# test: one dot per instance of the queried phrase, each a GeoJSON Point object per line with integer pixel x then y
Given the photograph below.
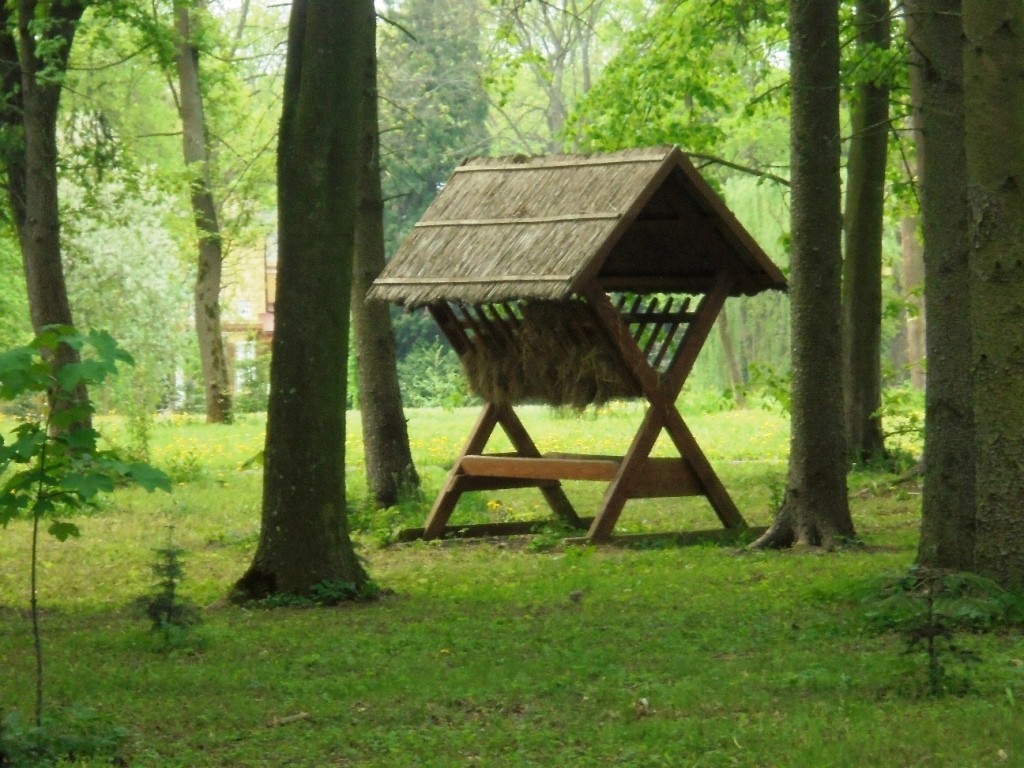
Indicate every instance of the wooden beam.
{"type": "Point", "coordinates": [523, 443]}
{"type": "Point", "coordinates": [449, 496]}
{"type": "Point", "coordinates": [480, 530]}
{"type": "Point", "coordinates": [569, 218]}
{"type": "Point", "coordinates": [665, 478]}
{"type": "Point", "coordinates": [540, 468]}
{"type": "Point", "coordinates": [465, 483]}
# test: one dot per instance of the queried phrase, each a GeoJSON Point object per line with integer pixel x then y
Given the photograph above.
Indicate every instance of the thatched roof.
{"type": "Point", "coordinates": [543, 227]}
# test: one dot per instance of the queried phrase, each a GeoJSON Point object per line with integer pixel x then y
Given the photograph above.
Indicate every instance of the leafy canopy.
{"type": "Point", "coordinates": [51, 465]}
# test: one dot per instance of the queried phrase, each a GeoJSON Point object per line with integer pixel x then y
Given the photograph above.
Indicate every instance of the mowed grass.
{"type": "Point", "coordinates": [497, 653]}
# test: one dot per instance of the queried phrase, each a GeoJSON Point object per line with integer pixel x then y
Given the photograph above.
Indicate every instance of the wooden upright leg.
{"type": "Point", "coordinates": [661, 393]}
{"type": "Point", "coordinates": [524, 445]}
{"type": "Point", "coordinates": [449, 496]}
{"type": "Point", "coordinates": [715, 492]}
{"type": "Point", "coordinates": [494, 415]}
{"type": "Point", "coordinates": [619, 490]}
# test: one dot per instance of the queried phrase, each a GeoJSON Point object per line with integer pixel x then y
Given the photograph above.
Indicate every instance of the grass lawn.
{"type": "Point", "coordinates": [503, 653]}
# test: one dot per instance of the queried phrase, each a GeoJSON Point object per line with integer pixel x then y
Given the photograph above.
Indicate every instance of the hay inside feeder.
{"type": "Point", "coordinates": [549, 352]}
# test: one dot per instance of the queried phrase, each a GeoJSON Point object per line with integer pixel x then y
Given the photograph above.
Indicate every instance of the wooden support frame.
{"type": "Point", "coordinates": [634, 475]}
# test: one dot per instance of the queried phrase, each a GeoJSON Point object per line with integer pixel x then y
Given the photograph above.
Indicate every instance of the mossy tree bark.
{"type": "Point", "coordinates": [35, 44]}
{"type": "Point", "coordinates": [862, 263]}
{"type": "Point", "coordinates": [304, 536]}
{"type": "Point", "coordinates": [204, 212]}
{"type": "Point", "coordinates": [815, 511]}
{"type": "Point", "coordinates": [947, 527]}
{"type": "Point", "coordinates": [994, 124]}
{"type": "Point", "coordinates": [390, 471]}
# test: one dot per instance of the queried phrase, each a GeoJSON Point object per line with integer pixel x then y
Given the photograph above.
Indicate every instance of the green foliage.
{"type": "Point", "coordinates": [433, 107]}
{"type": "Point", "coordinates": [382, 525]}
{"type": "Point", "coordinates": [549, 535]}
{"type": "Point", "coordinates": [769, 386]}
{"type": "Point", "coordinates": [687, 76]}
{"type": "Point", "coordinates": [125, 273]}
{"type": "Point", "coordinates": [903, 416]}
{"type": "Point", "coordinates": [253, 378]}
{"type": "Point", "coordinates": [431, 375]}
{"type": "Point", "coordinates": [53, 465]}
{"type": "Point", "coordinates": [77, 735]}
{"type": "Point", "coordinates": [933, 610]}
{"type": "Point", "coordinates": [14, 317]}
{"type": "Point", "coordinates": [171, 614]}
{"type": "Point", "coordinates": [327, 594]}
{"type": "Point", "coordinates": [488, 652]}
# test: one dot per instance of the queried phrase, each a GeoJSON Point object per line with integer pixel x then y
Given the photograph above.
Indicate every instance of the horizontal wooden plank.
{"type": "Point", "coordinates": [477, 530]}
{"type": "Point", "coordinates": [656, 478]}
{"type": "Point", "coordinates": [465, 483]}
{"type": "Point", "coordinates": [544, 468]}
{"type": "Point", "coordinates": [665, 477]}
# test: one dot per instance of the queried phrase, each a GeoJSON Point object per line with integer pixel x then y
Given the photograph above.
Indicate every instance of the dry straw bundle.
{"type": "Point", "coordinates": [546, 351]}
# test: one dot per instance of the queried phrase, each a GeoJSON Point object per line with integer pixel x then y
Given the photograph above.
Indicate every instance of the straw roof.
{"type": "Point", "coordinates": [509, 228]}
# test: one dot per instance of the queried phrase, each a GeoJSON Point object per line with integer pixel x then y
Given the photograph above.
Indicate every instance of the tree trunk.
{"type": "Point", "coordinates": [304, 537]}
{"type": "Point", "coordinates": [732, 367]}
{"type": "Point", "coordinates": [389, 465]}
{"type": "Point", "coordinates": [994, 109]}
{"type": "Point", "coordinates": [947, 504]}
{"type": "Point", "coordinates": [912, 263]}
{"type": "Point", "coordinates": [29, 114]}
{"type": "Point", "coordinates": [862, 266]}
{"type": "Point", "coordinates": [204, 212]}
{"type": "Point", "coordinates": [815, 511]}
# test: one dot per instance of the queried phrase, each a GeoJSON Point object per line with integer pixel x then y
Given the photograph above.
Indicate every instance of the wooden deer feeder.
{"type": "Point", "coordinates": [575, 280]}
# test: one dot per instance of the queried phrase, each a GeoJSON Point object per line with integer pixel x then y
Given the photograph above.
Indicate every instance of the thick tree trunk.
{"type": "Point", "coordinates": [304, 536]}
{"type": "Point", "coordinates": [912, 268]}
{"type": "Point", "coordinates": [815, 511]}
{"type": "Point", "coordinates": [947, 525]}
{"type": "Point", "coordinates": [389, 465]}
{"type": "Point", "coordinates": [994, 109]}
{"type": "Point", "coordinates": [204, 212]}
{"type": "Point", "coordinates": [862, 265]}
{"type": "Point", "coordinates": [29, 112]}
{"type": "Point", "coordinates": [732, 366]}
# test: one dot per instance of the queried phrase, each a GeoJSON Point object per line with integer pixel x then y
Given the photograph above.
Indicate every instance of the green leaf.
{"type": "Point", "coordinates": [87, 485]}
{"type": "Point", "coordinates": [81, 439]}
{"type": "Point", "coordinates": [63, 531]}
{"type": "Point", "coordinates": [93, 371]}
{"type": "Point", "coordinates": [52, 336]}
{"type": "Point", "coordinates": [21, 371]}
{"type": "Point", "coordinates": [107, 349]}
{"type": "Point", "coordinates": [148, 477]}
{"type": "Point", "coordinates": [29, 441]}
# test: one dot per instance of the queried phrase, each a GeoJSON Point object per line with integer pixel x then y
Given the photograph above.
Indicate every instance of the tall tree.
{"type": "Point", "coordinates": [389, 466]}
{"type": "Point", "coordinates": [35, 43]}
{"type": "Point", "coordinates": [304, 537]}
{"type": "Point", "coordinates": [994, 130]}
{"type": "Point", "coordinates": [433, 110]}
{"type": "Point", "coordinates": [864, 219]}
{"type": "Point", "coordinates": [815, 510]}
{"type": "Point", "coordinates": [553, 42]}
{"type": "Point", "coordinates": [204, 212]}
{"type": "Point", "coordinates": [935, 33]}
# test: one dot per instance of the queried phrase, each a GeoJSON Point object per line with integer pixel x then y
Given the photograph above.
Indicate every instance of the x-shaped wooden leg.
{"type": "Point", "coordinates": [661, 393]}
